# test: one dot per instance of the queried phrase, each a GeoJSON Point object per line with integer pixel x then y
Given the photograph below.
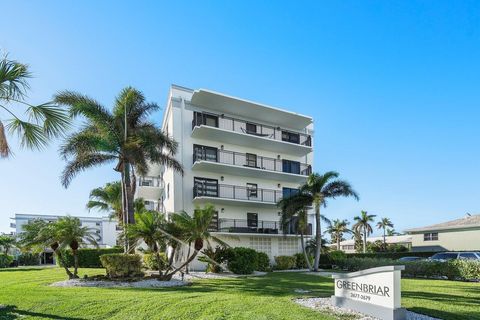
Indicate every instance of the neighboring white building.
{"type": "Point", "coordinates": [239, 155]}
{"type": "Point", "coordinates": [104, 227]}
{"type": "Point", "coordinates": [457, 235]}
{"type": "Point", "coordinates": [348, 246]}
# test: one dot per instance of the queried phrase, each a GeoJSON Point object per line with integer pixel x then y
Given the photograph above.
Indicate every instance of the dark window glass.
{"type": "Point", "coordinates": [204, 187]}
{"type": "Point", "coordinates": [444, 256]}
{"type": "Point", "coordinates": [288, 192]}
{"type": "Point", "coordinates": [291, 166]}
{"type": "Point", "coordinates": [210, 120]}
{"type": "Point", "coordinates": [468, 256]}
{"type": "Point", "coordinates": [252, 190]}
{"type": "Point", "coordinates": [290, 137]}
{"type": "Point", "coordinates": [251, 128]}
{"type": "Point", "coordinates": [252, 219]}
{"type": "Point", "coordinates": [214, 223]}
{"type": "Point", "coordinates": [205, 153]}
{"type": "Point", "coordinates": [251, 160]}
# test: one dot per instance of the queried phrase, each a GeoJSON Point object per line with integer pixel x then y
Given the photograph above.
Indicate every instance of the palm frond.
{"type": "Point", "coordinates": [81, 163]}
{"type": "Point", "coordinates": [5, 151]}
{"type": "Point", "coordinates": [55, 120]}
{"type": "Point", "coordinates": [13, 79]}
{"type": "Point", "coordinates": [31, 135]}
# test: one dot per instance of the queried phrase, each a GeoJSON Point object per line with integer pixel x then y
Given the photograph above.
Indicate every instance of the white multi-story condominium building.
{"type": "Point", "coordinates": [104, 227]}
{"type": "Point", "coordinates": [242, 157]}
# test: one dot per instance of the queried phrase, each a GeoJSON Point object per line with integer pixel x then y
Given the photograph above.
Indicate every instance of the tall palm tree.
{"type": "Point", "coordinates": [337, 229]}
{"type": "Point", "coordinates": [363, 225]}
{"type": "Point", "coordinates": [384, 223]}
{"type": "Point", "coordinates": [123, 135]}
{"type": "Point", "coordinates": [316, 191]}
{"type": "Point", "coordinates": [147, 228]}
{"type": "Point", "coordinates": [70, 233]}
{"type": "Point", "coordinates": [195, 230]}
{"type": "Point", "coordinates": [357, 236]}
{"type": "Point", "coordinates": [44, 121]}
{"type": "Point", "coordinates": [392, 232]}
{"type": "Point", "coordinates": [109, 199]}
{"type": "Point", "coordinates": [7, 242]}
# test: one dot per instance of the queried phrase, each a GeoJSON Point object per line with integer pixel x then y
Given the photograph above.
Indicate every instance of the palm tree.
{"type": "Point", "coordinates": [311, 246]}
{"type": "Point", "coordinates": [109, 199]}
{"type": "Point", "coordinates": [358, 244]}
{"type": "Point", "coordinates": [7, 242]}
{"type": "Point", "coordinates": [147, 227]}
{"type": "Point", "coordinates": [363, 226]}
{"type": "Point", "coordinates": [299, 219]}
{"type": "Point", "coordinates": [123, 135]}
{"type": "Point", "coordinates": [68, 231]}
{"type": "Point", "coordinates": [337, 229]}
{"type": "Point", "coordinates": [195, 230]}
{"type": "Point", "coordinates": [392, 232]}
{"type": "Point", "coordinates": [384, 223]}
{"type": "Point", "coordinates": [316, 191]}
{"type": "Point", "coordinates": [45, 121]}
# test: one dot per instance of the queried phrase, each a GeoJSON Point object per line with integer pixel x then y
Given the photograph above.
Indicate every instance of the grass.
{"type": "Point", "coordinates": [25, 294]}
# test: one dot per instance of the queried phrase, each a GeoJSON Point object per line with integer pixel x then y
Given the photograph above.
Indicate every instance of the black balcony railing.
{"type": "Point", "coordinates": [225, 191]}
{"type": "Point", "coordinates": [242, 126]}
{"type": "Point", "coordinates": [252, 226]}
{"type": "Point", "coordinates": [252, 161]}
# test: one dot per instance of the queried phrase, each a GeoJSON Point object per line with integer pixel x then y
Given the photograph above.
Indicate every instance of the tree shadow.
{"type": "Point", "coordinates": [12, 312]}
{"type": "Point", "coordinates": [21, 269]}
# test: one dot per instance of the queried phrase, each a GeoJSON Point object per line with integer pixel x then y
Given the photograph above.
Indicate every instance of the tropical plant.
{"type": "Point", "coordinates": [194, 230]}
{"type": "Point", "coordinates": [7, 243]}
{"type": "Point", "coordinates": [363, 225]}
{"type": "Point", "coordinates": [392, 232]}
{"type": "Point", "coordinates": [214, 258]}
{"type": "Point", "coordinates": [315, 192]}
{"type": "Point", "coordinates": [123, 135]}
{"type": "Point", "coordinates": [109, 199]}
{"type": "Point", "coordinates": [384, 223]}
{"type": "Point", "coordinates": [148, 228]}
{"type": "Point", "coordinates": [358, 245]}
{"type": "Point", "coordinates": [337, 229]}
{"type": "Point", "coordinates": [296, 218]}
{"type": "Point", "coordinates": [44, 121]}
{"type": "Point", "coordinates": [311, 246]}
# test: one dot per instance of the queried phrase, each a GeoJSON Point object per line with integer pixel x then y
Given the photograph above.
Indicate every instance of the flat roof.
{"type": "Point", "coordinates": [389, 239]}
{"type": "Point", "coordinates": [249, 109]}
{"type": "Point", "coordinates": [469, 221]}
{"type": "Point", "coordinates": [51, 216]}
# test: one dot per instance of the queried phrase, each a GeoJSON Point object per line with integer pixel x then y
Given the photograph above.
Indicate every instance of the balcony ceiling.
{"type": "Point", "coordinates": [250, 110]}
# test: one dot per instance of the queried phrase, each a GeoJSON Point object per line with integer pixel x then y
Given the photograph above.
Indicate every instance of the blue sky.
{"type": "Point", "coordinates": [392, 86]}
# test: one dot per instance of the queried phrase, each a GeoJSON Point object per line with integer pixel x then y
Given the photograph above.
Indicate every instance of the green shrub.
{"type": "Point", "coordinates": [150, 261]}
{"type": "Point", "coordinates": [301, 262]}
{"type": "Point", "coordinates": [87, 258]}
{"type": "Point", "coordinates": [285, 262]}
{"type": "Point", "coordinates": [5, 260]}
{"type": "Point", "coordinates": [241, 260]}
{"type": "Point", "coordinates": [219, 255]}
{"type": "Point", "coordinates": [392, 255]}
{"type": "Point", "coordinates": [263, 262]}
{"type": "Point", "coordinates": [28, 259]}
{"type": "Point", "coordinates": [119, 265]}
{"type": "Point", "coordinates": [467, 269]}
{"type": "Point", "coordinates": [336, 255]}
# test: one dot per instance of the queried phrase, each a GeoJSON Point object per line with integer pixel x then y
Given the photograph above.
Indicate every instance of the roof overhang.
{"type": "Point", "coordinates": [249, 109]}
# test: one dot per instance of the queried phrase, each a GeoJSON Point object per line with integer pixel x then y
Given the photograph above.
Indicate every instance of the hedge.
{"type": "Point", "coordinates": [88, 258]}
{"type": "Point", "coordinates": [150, 261]}
{"type": "Point", "coordinates": [263, 262]}
{"type": "Point", "coordinates": [119, 265]}
{"type": "Point", "coordinates": [28, 259]}
{"type": "Point", "coordinates": [5, 260]}
{"type": "Point", "coordinates": [242, 260]}
{"type": "Point", "coordinates": [392, 255]}
{"type": "Point", "coordinates": [285, 262]}
{"type": "Point", "coordinates": [452, 269]}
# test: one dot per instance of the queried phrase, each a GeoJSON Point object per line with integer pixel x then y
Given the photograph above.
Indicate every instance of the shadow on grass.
{"type": "Point", "coordinates": [11, 312]}
{"type": "Point", "coordinates": [21, 269]}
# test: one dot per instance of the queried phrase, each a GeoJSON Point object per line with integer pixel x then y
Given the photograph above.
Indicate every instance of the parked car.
{"type": "Point", "coordinates": [410, 258]}
{"type": "Point", "coordinates": [445, 256]}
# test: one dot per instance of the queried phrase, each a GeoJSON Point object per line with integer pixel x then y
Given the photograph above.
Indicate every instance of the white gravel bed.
{"type": "Point", "coordinates": [209, 275]}
{"type": "Point", "coordinates": [148, 283]}
{"type": "Point", "coordinates": [324, 304]}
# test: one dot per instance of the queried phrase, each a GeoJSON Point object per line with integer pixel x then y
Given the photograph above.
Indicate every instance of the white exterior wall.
{"type": "Point", "coordinates": [448, 240]}
{"type": "Point", "coordinates": [178, 189]}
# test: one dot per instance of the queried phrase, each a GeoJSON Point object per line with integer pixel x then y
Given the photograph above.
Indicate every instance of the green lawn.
{"type": "Point", "coordinates": [26, 295]}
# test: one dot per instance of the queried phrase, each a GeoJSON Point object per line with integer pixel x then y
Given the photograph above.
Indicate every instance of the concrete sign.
{"type": "Point", "coordinates": [375, 292]}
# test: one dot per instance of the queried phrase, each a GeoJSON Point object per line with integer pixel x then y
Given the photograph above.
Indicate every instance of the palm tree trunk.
{"type": "Point", "coordinates": [338, 242]}
{"type": "Point", "coordinates": [129, 194]}
{"type": "Point", "coordinates": [364, 240]}
{"type": "Point", "coordinates": [159, 262]}
{"type": "Point", "coordinates": [309, 265]}
{"type": "Point", "coordinates": [188, 254]}
{"type": "Point", "coordinates": [172, 256]}
{"type": "Point", "coordinates": [318, 235]}
{"type": "Point", "coordinates": [169, 276]}
{"type": "Point", "coordinates": [384, 240]}
{"type": "Point", "coordinates": [63, 263]}
{"type": "Point", "coordinates": [75, 263]}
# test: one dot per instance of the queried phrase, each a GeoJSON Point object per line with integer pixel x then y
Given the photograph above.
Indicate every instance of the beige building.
{"type": "Point", "coordinates": [348, 246]}
{"type": "Point", "coordinates": [456, 235]}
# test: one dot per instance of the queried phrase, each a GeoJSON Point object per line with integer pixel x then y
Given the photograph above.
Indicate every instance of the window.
{"type": "Point", "coordinates": [252, 190]}
{"type": "Point", "coordinates": [252, 219]}
{"type": "Point", "coordinates": [204, 187]}
{"type": "Point", "coordinates": [432, 236]}
{"type": "Point", "coordinates": [251, 128]}
{"type": "Point", "coordinates": [469, 256]}
{"type": "Point", "coordinates": [251, 160]}
{"type": "Point", "coordinates": [288, 192]}
{"type": "Point", "coordinates": [97, 223]}
{"type": "Point", "coordinates": [149, 205]}
{"type": "Point", "coordinates": [291, 137]}
{"type": "Point", "coordinates": [205, 119]}
{"type": "Point", "coordinates": [205, 153]}
{"type": "Point", "coordinates": [291, 166]}
{"type": "Point", "coordinates": [214, 225]}
{"type": "Point", "coordinates": [146, 182]}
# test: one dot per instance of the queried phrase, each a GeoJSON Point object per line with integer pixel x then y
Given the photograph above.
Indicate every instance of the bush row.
{"type": "Point", "coordinates": [453, 269]}
{"type": "Point", "coordinates": [5, 260]}
{"type": "Point", "coordinates": [28, 259]}
{"type": "Point", "coordinates": [88, 258]}
{"type": "Point", "coordinates": [119, 265]}
{"type": "Point", "coordinates": [392, 255]}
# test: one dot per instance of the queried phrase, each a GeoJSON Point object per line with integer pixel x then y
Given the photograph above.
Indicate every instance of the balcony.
{"type": "Point", "coordinates": [149, 188]}
{"type": "Point", "coordinates": [223, 193]}
{"type": "Point", "coordinates": [249, 165]}
{"type": "Point", "coordinates": [252, 226]}
{"type": "Point", "coordinates": [231, 130]}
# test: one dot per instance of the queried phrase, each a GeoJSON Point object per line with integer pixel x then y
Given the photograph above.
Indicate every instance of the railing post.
{"type": "Point", "coordinates": [234, 192]}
